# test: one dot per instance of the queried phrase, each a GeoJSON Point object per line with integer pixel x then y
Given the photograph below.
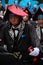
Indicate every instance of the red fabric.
{"type": "Point", "coordinates": [17, 10]}
{"type": "Point", "coordinates": [34, 59]}
{"type": "Point", "coordinates": [24, 9]}
{"type": "Point", "coordinates": [31, 47]}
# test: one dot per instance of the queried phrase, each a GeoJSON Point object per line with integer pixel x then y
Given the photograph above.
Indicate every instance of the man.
{"type": "Point", "coordinates": [17, 38]}
{"type": "Point", "coordinates": [39, 28]}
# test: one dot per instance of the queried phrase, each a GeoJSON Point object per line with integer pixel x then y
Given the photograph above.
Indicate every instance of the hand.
{"type": "Point", "coordinates": [35, 52]}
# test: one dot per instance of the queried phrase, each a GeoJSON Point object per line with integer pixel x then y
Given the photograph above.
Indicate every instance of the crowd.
{"type": "Point", "coordinates": [21, 36]}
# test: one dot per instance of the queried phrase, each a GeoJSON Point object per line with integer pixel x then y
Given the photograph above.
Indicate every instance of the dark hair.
{"type": "Point", "coordinates": [8, 13]}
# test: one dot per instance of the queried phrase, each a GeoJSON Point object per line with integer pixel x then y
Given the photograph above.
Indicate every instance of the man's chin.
{"type": "Point", "coordinates": [15, 25]}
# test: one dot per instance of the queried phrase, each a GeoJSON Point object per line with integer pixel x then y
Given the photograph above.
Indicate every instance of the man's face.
{"type": "Point", "coordinates": [40, 21]}
{"type": "Point", "coordinates": [14, 20]}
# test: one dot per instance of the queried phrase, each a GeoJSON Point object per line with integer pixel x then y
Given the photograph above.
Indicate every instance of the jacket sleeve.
{"type": "Point", "coordinates": [34, 37]}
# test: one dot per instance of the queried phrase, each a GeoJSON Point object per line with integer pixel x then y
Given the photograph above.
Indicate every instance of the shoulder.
{"type": "Point", "coordinates": [30, 26]}
{"type": "Point", "coordinates": [4, 25]}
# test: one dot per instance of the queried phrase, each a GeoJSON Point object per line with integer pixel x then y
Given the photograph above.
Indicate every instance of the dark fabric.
{"type": "Point", "coordinates": [41, 42]}
{"type": "Point", "coordinates": [41, 34]}
{"type": "Point", "coordinates": [15, 40]}
{"type": "Point", "coordinates": [2, 9]}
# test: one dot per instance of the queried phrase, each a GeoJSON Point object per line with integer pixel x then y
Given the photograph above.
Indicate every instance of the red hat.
{"type": "Point", "coordinates": [17, 10]}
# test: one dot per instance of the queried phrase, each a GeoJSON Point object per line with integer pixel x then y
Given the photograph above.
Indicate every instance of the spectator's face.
{"type": "Point", "coordinates": [40, 21]}
{"type": "Point", "coordinates": [26, 18]}
{"type": "Point", "coordinates": [14, 20]}
{"type": "Point", "coordinates": [6, 6]}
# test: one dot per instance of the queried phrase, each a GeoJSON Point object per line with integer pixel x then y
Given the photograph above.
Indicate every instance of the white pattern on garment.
{"type": "Point", "coordinates": [11, 33]}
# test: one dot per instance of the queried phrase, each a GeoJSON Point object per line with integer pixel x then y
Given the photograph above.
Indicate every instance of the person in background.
{"type": "Point", "coordinates": [39, 28]}
{"type": "Point", "coordinates": [5, 8]}
{"type": "Point", "coordinates": [27, 18]}
{"type": "Point", "coordinates": [2, 9]}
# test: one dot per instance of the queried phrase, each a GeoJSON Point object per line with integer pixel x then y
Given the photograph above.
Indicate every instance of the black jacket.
{"type": "Point", "coordinates": [27, 38]}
